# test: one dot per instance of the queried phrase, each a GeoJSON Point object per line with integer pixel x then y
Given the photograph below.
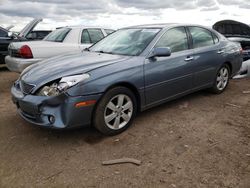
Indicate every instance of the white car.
{"type": "Point", "coordinates": [59, 42]}
{"type": "Point", "coordinates": [244, 71]}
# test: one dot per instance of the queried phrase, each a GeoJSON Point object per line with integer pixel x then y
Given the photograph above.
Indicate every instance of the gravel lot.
{"type": "Point", "coordinates": [201, 140]}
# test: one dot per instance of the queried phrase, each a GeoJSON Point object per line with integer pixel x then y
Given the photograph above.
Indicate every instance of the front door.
{"type": "Point", "coordinates": [168, 77]}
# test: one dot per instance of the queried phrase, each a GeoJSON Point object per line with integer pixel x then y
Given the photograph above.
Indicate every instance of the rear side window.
{"type": "Point", "coordinates": [175, 39]}
{"type": "Point", "coordinates": [57, 35]}
{"type": "Point", "coordinates": [3, 33]}
{"type": "Point", "coordinates": [85, 37]}
{"type": "Point", "coordinates": [95, 35]}
{"type": "Point", "coordinates": [201, 37]}
{"type": "Point", "coordinates": [216, 39]}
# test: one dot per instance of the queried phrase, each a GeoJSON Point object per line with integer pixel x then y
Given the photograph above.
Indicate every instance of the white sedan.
{"type": "Point", "coordinates": [59, 42]}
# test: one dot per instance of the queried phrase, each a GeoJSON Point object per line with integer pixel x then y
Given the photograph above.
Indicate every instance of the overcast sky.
{"type": "Point", "coordinates": [120, 13]}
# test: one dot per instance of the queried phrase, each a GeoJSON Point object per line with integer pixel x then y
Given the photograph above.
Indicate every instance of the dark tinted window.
{"type": "Point", "coordinates": [95, 35]}
{"type": "Point", "coordinates": [85, 37]}
{"type": "Point", "coordinates": [3, 33]}
{"type": "Point", "coordinates": [109, 31]}
{"type": "Point", "coordinates": [201, 37]}
{"type": "Point", "coordinates": [175, 39]}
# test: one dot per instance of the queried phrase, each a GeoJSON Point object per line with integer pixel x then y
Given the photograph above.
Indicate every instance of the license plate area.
{"type": "Point", "coordinates": [28, 108]}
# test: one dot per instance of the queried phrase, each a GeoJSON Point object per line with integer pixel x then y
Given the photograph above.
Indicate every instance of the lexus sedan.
{"type": "Point", "coordinates": [131, 70]}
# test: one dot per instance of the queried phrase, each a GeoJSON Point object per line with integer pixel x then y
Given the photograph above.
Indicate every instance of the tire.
{"type": "Point", "coordinates": [115, 111]}
{"type": "Point", "coordinates": [221, 80]}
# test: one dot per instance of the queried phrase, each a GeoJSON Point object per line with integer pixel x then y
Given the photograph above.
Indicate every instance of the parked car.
{"type": "Point", "coordinates": [27, 33]}
{"type": "Point", "coordinates": [131, 70]}
{"type": "Point", "coordinates": [244, 70]}
{"type": "Point", "coordinates": [59, 42]}
{"type": "Point", "coordinates": [237, 32]}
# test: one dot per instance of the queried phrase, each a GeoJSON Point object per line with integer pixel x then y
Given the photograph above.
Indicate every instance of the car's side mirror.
{"type": "Point", "coordinates": [160, 52]}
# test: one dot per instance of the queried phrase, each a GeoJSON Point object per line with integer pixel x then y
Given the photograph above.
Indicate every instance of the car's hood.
{"type": "Point", "coordinates": [54, 68]}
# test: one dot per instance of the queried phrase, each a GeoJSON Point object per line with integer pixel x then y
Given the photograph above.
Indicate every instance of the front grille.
{"type": "Point", "coordinates": [26, 88]}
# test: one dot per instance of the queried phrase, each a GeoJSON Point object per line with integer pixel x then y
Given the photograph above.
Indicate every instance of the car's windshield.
{"type": "Point", "coordinates": [57, 35]}
{"type": "Point", "coordinates": [126, 41]}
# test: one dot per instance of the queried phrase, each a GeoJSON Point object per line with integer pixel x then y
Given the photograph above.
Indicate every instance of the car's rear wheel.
{"type": "Point", "coordinates": [222, 79]}
{"type": "Point", "coordinates": [116, 111]}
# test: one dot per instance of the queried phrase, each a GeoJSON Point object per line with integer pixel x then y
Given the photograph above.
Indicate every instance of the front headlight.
{"type": "Point", "coordinates": [64, 83]}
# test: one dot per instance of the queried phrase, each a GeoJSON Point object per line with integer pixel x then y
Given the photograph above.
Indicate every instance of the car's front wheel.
{"type": "Point", "coordinates": [222, 79]}
{"type": "Point", "coordinates": [115, 112]}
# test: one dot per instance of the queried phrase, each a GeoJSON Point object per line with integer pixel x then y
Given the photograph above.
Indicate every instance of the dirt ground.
{"type": "Point", "coordinates": [201, 140]}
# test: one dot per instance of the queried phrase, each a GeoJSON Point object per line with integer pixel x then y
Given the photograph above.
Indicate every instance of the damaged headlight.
{"type": "Point", "coordinates": [64, 83]}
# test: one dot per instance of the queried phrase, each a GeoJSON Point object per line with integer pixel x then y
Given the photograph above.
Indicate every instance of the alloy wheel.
{"type": "Point", "coordinates": [118, 111]}
{"type": "Point", "coordinates": [222, 78]}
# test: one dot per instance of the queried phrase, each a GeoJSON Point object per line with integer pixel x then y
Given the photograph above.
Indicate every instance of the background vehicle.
{"type": "Point", "coordinates": [27, 33]}
{"type": "Point", "coordinates": [131, 70]}
{"type": "Point", "coordinates": [244, 70]}
{"type": "Point", "coordinates": [59, 42]}
{"type": "Point", "coordinates": [237, 32]}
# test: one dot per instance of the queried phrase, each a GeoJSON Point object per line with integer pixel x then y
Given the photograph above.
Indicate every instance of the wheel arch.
{"type": "Point", "coordinates": [132, 88]}
{"type": "Point", "coordinates": [229, 64]}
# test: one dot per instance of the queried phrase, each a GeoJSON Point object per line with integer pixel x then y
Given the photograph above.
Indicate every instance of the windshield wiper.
{"type": "Point", "coordinates": [101, 51]}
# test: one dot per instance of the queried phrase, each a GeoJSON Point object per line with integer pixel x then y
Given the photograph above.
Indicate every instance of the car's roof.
{"type": "Point", "coordinates": [163, 25]}
{"type": "Point", "coordinates": [85, 27]}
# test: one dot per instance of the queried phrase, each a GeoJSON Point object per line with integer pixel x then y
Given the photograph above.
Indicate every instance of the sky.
{"type": "Point", "coordinates": [120, 13]}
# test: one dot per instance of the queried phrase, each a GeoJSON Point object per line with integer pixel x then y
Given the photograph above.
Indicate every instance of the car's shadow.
{"type": "Point", "coordinates": [92, 136]}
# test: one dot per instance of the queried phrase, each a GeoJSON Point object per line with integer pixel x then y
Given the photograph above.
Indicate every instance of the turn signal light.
{"type": "Point", "coordinates": [85, 103]}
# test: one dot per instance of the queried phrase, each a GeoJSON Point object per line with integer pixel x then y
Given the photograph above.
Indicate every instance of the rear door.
{"type": "Point", "coordinates": [167, 77]}
{"type": "Point", "coordinates": [208, 55]}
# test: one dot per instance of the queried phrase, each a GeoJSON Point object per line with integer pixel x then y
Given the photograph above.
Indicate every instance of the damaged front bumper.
{"type": "Point", "coordinates": [54, 112]}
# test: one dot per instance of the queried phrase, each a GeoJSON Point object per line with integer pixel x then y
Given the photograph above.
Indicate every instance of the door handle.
{"type": "Point", "coordinates": [189, 58]}
{"type": "Point", "coordinates": [220, 52]}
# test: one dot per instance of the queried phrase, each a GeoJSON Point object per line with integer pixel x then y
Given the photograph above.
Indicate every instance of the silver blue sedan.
{"type": "Point", "coordinates": [131, 70]}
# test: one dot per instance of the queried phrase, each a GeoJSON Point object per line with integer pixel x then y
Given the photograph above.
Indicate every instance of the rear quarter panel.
{"type": "Point", "coordinates": [233, 56]}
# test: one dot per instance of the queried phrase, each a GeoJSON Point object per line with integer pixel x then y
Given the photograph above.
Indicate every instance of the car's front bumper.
{"type": "Point", "coordinates": [19, 64]}
{"type": "Point", "coordinates": [54, 112]}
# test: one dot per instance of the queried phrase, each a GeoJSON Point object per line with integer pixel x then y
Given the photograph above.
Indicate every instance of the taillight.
{"type": "Point", "coordinates": [25, 52]}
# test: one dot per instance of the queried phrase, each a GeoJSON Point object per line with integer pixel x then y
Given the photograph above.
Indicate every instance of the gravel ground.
{"type": "Point", "coordinates": [201, 140]}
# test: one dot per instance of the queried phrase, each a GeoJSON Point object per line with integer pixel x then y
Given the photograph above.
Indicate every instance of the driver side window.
{"type": "Point", "coordinates": [176, 39]}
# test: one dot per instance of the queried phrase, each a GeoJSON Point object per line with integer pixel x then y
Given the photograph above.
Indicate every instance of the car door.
{"type": "Point", "coordinates": [168, 77]}
{"type": "Point", "coordinates": [208, 55]}
{"type": "Point", "coordinates": [90, 36]}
